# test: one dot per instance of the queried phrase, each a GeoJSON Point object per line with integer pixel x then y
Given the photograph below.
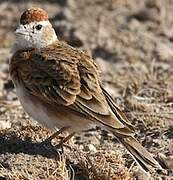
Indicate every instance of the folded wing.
{"type": "Point", "coordinates": [63, 75]}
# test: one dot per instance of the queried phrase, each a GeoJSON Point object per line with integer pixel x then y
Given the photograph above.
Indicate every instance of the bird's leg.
{"type": "Point", "coordinates": [61, 144]}
{"type": "Point", "coordinates": [49, 139]}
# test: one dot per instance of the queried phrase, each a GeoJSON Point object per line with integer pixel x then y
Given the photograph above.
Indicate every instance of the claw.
{"type": "Point", "coordinates": [63, 141]}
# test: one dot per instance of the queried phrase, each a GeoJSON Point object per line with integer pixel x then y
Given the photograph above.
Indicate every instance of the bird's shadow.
{"type": "Point", "coordinates": [13, 144]}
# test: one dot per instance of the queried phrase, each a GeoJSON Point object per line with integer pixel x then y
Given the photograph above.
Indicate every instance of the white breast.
{"type": "Point", "coordinates": [34, 109]}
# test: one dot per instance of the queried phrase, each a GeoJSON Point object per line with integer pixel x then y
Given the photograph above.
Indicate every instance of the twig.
{"type": "Point", "coordinates": [92, 167]}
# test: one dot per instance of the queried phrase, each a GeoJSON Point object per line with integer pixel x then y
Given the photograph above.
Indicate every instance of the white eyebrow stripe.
{"type": "Point", "coordinates": [44, 23]}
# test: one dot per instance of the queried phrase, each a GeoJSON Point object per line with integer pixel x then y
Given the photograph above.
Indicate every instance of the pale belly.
{"type": "Point", "coordinates": [50, 117]}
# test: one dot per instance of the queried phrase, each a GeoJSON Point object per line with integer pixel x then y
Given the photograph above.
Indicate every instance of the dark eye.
{"type": "Point", "coordinates": [38, 27]}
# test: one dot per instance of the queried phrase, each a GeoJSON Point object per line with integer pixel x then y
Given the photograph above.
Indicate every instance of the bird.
{"type": "Point", "coordinates": [60, 87]}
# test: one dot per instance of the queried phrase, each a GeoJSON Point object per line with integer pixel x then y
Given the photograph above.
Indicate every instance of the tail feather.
{"type": "Point", "coordinates": [142, 157]}
{"type": "Point", "coordinates": [138, 152]}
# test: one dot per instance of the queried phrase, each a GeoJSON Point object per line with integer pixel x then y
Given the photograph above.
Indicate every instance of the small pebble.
{"type": "Point", "coordinates": [91, 148]}
{"type": "Point", "coordinates": [5, 125]}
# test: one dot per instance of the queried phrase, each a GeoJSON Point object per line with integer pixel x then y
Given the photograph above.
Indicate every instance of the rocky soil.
{"type": "Point", "coordinates": [132, 42]}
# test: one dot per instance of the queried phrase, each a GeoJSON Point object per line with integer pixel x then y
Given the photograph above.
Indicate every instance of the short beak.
{"type": "Point", "coordinates": [21, 30]}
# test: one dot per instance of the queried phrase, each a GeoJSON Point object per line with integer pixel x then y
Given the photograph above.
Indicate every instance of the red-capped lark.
{"type": "Point", "coordinates": [59, 86]}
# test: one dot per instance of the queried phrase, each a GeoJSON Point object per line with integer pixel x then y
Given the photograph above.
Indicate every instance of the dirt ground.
{"type": "Point", "coordinates": [132, 42]}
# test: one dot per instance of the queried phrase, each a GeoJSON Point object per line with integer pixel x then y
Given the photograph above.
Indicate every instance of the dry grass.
{"type": "Point", "coordinates": [34, 167]}
{"type": "Point", "coordinates": [149, 96]}
{"type": "Point", "coordinates": [24, 158]}
{"type": "Point", "coordinates": [132, 43]}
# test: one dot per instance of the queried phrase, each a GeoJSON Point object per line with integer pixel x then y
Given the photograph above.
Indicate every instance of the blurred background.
{"type": "Point", "coordinates": [132, 42]}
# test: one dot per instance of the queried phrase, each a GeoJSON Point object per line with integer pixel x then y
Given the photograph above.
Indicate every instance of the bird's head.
{"type": "Point", "coordinates": [34, 30]}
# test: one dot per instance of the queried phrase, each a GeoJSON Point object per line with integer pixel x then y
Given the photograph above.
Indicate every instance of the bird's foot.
{"type": "Point", "coordinates": [48, 144]}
